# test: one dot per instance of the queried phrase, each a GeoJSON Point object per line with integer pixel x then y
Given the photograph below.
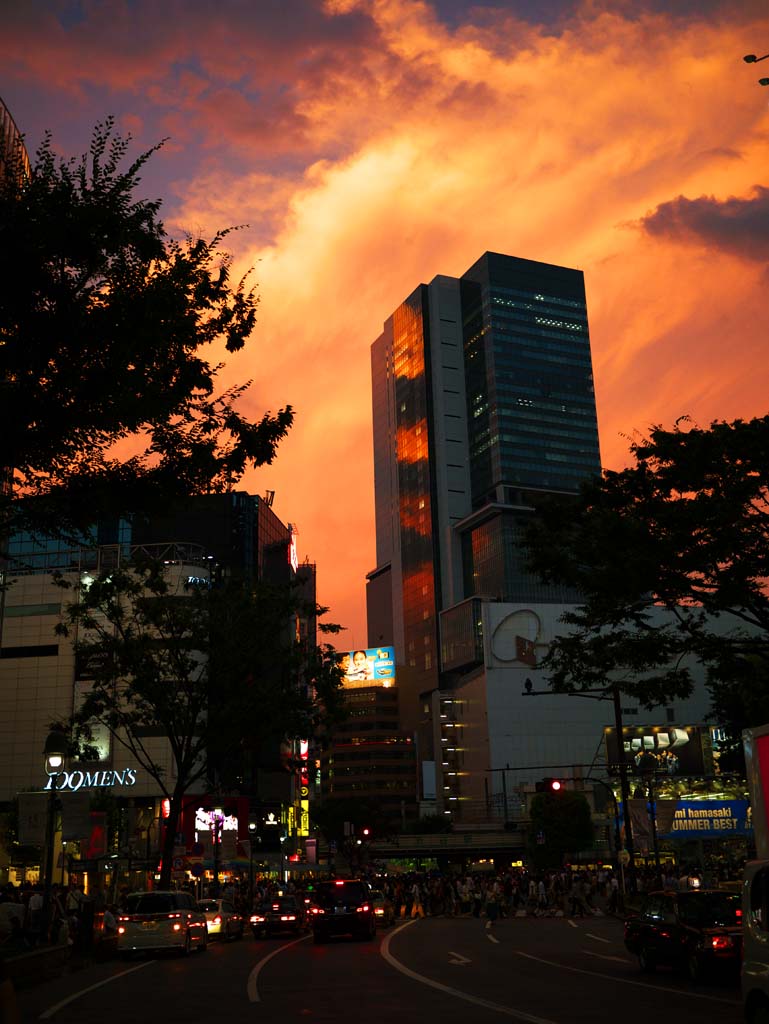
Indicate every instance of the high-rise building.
{"type": "Point", "coordinates": [482, 398]}
{"type": "Point", "coordinates": [482, 395]}
{"type": "Point", "coordinates": [14, 161]}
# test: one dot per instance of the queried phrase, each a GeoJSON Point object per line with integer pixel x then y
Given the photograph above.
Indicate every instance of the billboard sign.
{"type": "Point", "coordinates": [677, 750]}
{"type": "Point", "coordinates": [371, 667]}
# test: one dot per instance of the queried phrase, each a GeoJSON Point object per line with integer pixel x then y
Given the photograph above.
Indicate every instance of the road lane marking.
{"type": "Point", "coordinates": [47, 1014]}
{"type": "Point", "coordinates": [598, 938]}
{"type": "Point", "coordinates": [687, 994]}
{"type": "Point", "coordinates": [491, 938]}
{"type": "Point", "coordinates": [458, 958]}
{"type": "Point", "coordinates": [476, 1000]}
{"type": "Point", "coordinates": [572, 923]}
{"type": "Point", "coordinates": [253, 978]}
{"type": "Point", "coordinates": [602, 956]}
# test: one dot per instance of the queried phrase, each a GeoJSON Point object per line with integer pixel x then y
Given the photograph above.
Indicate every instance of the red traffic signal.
{"type": "Point", "coordinates": [365, 832]}
{"type": "Point", "coordinates": [549, 785]}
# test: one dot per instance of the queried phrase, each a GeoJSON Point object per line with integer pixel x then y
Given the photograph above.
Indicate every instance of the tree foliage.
{"type": "Point", "coordinates": [685, 529]}
{"type": "Point", "coordinates": [204, 676]}
{"type": "Point", "coordinates": [561, 824]}
{"type": "Point", "coordinates": [109, 400]}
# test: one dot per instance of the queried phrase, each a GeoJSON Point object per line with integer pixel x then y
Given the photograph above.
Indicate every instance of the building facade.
{"type": "Point", "coordinates": [482, 400]}
{"type": "Point", "coordinates": [42, 680]}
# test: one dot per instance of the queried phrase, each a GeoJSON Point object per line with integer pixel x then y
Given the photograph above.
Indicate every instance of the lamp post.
{"type": "Point", "coordinates": [54, 752]}
{"type": "Point", "coordinates": [217, 829]}
{"type": "Point", "coordinates": [252, 838]}
{"type": "Point", "coordinates": [647, 767]}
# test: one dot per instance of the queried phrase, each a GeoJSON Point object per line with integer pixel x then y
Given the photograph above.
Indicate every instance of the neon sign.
{"type": "Point", "coordinates": [75, 780]}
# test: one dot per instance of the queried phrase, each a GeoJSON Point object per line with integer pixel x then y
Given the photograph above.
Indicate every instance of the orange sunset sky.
{"type": "Point", "coordinates": [369, 145]}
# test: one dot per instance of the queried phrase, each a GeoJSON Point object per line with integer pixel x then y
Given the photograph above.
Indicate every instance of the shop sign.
{"type": "Point", "coordinates": [72, 781]}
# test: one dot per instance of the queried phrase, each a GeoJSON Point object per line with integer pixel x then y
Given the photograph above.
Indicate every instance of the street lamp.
{"type": "Point", "coordinates": [54, 752]}
{"type": "Point", "coordinates": [217, 823]}
{"type": "Point", "coordinates": [252, 838]}
{"type": "Point", "coordinates": [751, 58]}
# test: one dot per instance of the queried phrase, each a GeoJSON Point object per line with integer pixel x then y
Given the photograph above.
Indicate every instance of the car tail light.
{"type": "Point", "coordinates": [218, 919]}
{"type": "Point", "coordinates": [379, 912]}
{"type": "Point", "coordinates": [317, 910]}
{"type": "Point", "coordinates": [121, 929]}
{"type": "Point", "coordinates": [256, 919]}
{"type": "Point", "coordinates": [276, 906]}
{"type": "Point", "coordinates": [177, 927]}
{"type": "Point", "coordinates": [338, 883]}
{"type": "Point", "coordinates": [738, 913]}
{"type": "Point", "coordinates": [721, 942]}
{"type": "Point", "coordinates": [363, 909]}
{"type": "Point", "coordinates": [174, 915]}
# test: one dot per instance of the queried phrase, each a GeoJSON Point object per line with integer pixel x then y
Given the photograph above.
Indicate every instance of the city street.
{"type": "Point", "coordinates": [544, 971]}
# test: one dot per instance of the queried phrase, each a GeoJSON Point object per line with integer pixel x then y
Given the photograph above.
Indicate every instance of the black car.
{"type": "Point", "coordinates": [343, 907]}
{"type": "Point", "coordinates": [278, 914]}
{"type": "Point", "coordinates": [699, 931]}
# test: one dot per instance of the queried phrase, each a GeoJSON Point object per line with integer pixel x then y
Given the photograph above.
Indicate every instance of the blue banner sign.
{"type": "Point", "coordinates": [711, 819]}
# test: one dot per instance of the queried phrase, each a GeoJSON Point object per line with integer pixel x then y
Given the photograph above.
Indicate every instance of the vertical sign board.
{"type": "Point", "coordinates": [756, 744]}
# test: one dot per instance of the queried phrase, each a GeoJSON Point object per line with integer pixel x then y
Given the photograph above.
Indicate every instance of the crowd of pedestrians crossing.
{"type": "Point", "coordinates": [503, 893]}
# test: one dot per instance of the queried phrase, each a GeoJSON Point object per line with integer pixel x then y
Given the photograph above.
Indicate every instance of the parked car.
{"type": "Point", "coordinates": [280, 914]}
{"type": "Point", "coordinates": [699, 930]}
{"type": "Point", "coordinates": [384, 912]}
{"type": "Point", "coordinates": [343, 907]}
{"type": "Point", "coordinates": [222, 919]}
{"type": "Point", "coordinates": [161, 920]}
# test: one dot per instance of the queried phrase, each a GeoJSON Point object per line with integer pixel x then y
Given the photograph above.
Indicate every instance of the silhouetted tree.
{"type": "Point", "coordinates": [110, 339]}
{"type": "Point", "coordinates": [686, 528]}
{"type": "Point", "coordinates": [206, 671]}
{"type": "Point", "coordinates": [561, 824]}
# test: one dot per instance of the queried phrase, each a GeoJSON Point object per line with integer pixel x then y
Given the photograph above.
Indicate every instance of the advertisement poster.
{"type": "Point", "coordinates": [677, 750]}
{"type": "Point", "coordinates": [370, 667]}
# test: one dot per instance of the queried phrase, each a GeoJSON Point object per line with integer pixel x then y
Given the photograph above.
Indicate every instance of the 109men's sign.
{"type": "Point", "coordinates": [76, 779]}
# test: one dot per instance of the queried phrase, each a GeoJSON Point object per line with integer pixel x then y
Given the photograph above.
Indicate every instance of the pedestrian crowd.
{"type": "Point", "coordinates": [503, 893]}
{"type": "Point", "coordinates": [67, 916]}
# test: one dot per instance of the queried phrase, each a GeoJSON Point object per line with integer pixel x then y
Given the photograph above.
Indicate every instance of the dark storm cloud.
{"type": "Point", "coordinates": [555, 14]}
{"type": "Point", "coordinates": [738, 226]}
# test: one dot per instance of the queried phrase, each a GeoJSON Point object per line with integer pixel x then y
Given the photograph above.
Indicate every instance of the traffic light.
{"type": "Point", "coordinates": [549, 785]}
{"type": "Point", "coordinates": [365, 832]}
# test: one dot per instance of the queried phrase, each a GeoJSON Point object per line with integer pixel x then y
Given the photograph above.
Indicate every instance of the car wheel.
{"type": "Point", "coordinates": [187, 949]}
{"type": "Point", "coordinates": [694, 968]}
{"type": "Point", "coordinates": [646, 961]}
{"type": "Point", "coordinates": [757, 1011]}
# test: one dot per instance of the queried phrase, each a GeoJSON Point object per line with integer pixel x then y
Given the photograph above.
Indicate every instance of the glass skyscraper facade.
{"type": "Point", "coordinates": [483, 399]}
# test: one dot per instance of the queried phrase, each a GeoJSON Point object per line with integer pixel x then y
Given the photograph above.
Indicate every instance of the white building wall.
{"type": "Point", "coordinates": [559, 730]}
{"type": "Point", "coordinates": [35, 692]}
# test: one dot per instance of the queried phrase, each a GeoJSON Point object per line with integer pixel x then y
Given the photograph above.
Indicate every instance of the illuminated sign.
{"type": "Point", "coordinates": [371, 667]}
{"type": "Point", "coordinates": [674, 749]}
{"type": "Point", "coordinates": [204, 821]}
{"type": "Point", "coordinates": [711, 818]}
{"type": "Point", "coordinates": [293, 555]}
{"type": "Point", "coordinates": [74, 780]}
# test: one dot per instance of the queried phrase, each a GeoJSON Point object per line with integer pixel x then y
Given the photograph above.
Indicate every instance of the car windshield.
{"type": "Point", "coordinates": [709, 909]}
{"type": "Point", "coordinates": [347, 892]}
{"type": "Point", "coordinates": [149, 903]}
{"type": "Point", "coordinates": [208, 905]}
